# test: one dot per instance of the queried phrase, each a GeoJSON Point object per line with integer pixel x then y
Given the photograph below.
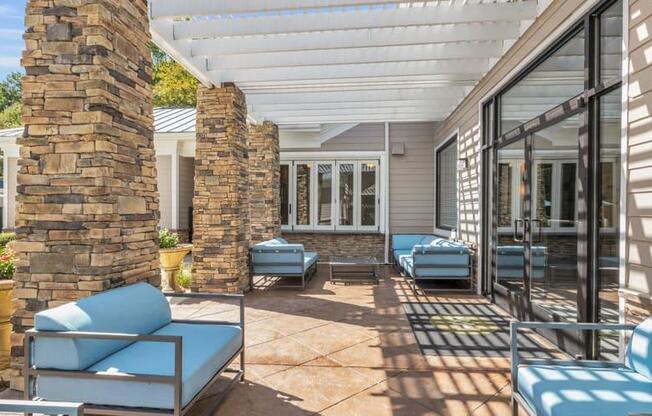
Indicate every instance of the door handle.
{"type": "Point", "coordinates": [516, 223]}
{"type": "Point", "coordinates": [540, 230]}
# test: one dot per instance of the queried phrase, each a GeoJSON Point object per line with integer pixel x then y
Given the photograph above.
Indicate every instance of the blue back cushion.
{"type": "Point", "coordinates": [407, 241]}
{"type": "Point", "coordinates": [135, 309]}
{"type": "Point", "coordinates": [639, 351]}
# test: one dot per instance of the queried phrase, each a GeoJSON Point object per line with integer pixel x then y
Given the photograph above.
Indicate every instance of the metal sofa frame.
{"type": "Point", "coordinates": [31, 372]}
{"type": "Point", "coordinates": [515, 327]}
{"type": "Point", "coordinates": [305, 276]}
{"type": "Point", "coordinates": [414, 286]}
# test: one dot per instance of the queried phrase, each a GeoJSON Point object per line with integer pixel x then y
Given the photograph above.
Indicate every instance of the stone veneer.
{"type": "Point", "coordinates": [87, 200]}
{"type": "Point", "coordinates": [264, 182]}
{"type": "Point", "coordinates": [340, 244]}
{"type": "Point", "coordinates": [221, 200]}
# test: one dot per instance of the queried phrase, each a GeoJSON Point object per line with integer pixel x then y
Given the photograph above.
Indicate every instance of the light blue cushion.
{"type": "Point", "coordinates": [407, 262]}
{"type": "Point", "coordinates": [407, 241]}
{"type": "Point", "coordinates": [575, 391]}
{"type": "Point", "coordinates": [399, 253]}
{"type": "Point", "coordinates": [281, 240]}
{"type": "Point", "coordinates": [638, 356]}
{"type": "Point", "coordinates": [428, 239]}
{"type": "Point", "coordinates": [135, 309]}
{"type": "Point", "coordinates": [511, 263]}
{"type": "Point", "coordinates": [206, 348]}
{"type": "Point", "coordinates": [309, 258]}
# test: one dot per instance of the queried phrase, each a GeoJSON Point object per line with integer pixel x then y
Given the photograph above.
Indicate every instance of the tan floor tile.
{"type": "Point", "coordinates": [292, 324]}
{"type": "Point", "coordinates": [257, 399]}
{"type": "Point", "coordinates": [259, 371]}
{"type": "Point", "coordinates": [316, 388]}
{"type": "Point", "coordinates": [378, 400]}
{"type": "Point", "coordinates": [282, 351]}
{"type": "Point", "coordinates": [372, 355]}
{"type": "Point", "coordinates": [330, 338]}
{"type": "Point", "coordinates": [449, 392]}
{"type": "Point", "coordinates": [260, 332]}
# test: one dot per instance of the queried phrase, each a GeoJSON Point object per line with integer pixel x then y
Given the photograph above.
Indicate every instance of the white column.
{"type": "Point", "coordinates": [174, 187]}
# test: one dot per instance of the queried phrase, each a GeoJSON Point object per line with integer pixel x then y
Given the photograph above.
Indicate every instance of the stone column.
{"type": "Point", "coordinates": [264, 182]}
{"type": "Point", "coordinates": [87, 200]}
{"type": "Point", "coordinates": [221, 200]}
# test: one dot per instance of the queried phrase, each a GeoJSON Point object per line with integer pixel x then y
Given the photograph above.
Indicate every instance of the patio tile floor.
{"type": "Point", "coordinates": [349, 350]}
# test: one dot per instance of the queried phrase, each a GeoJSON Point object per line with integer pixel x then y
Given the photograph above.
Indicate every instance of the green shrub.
{"type": "Point", "coordinates": [184, 277]}
{"type": "Point", "coordinates": [167, 239]}
{"type": "Point", "coordinates": [7, 266]}
{"type": "Point", "coordinates": [6, 238]}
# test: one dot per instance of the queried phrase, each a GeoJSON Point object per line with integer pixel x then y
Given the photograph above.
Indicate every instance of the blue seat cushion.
{"type": "Point", "coordinates": [407, 262]}
{"type": "Point", "coordinates": [638, 355]}
{"type": "Point", "coordinates": [135, 309]}
{"type": "Point", "coordinates": [309, 258]}
{"type": "Point", "coordinates": [399, 253]}
{"type": "Point", "coordinates": [206, 349]}
{"type": "Point", "coordinates": [407, 241]}
{"type": "Point", "coordinates": [576, 391]}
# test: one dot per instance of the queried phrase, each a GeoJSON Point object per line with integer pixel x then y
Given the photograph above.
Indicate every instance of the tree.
{"type": "Point", "coordinates": [173, 85]}
{"type": "Point", "coordinates": [10, 101]}
{"type": "Point", "coordinates": [10, 90]}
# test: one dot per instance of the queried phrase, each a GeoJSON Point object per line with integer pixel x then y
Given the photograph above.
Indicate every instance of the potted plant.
{"type": "Point", "coordinates": [7, 268]}
{"type": "Point", "coordinates": [172, 254]}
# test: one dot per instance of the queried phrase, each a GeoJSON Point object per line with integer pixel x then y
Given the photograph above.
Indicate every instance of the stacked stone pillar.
{"type": "Point", "coordinates": [264, 182]}
{"type": "Point", "coordinates": [87, 200]}
{"type": "Point", "coordinates": [221, 200]}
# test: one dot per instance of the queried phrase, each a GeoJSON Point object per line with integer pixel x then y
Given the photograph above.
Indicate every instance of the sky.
{"type": "Point", "coordinates": [11, 35]}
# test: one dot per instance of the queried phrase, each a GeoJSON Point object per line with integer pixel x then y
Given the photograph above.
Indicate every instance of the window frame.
{"type": "Point", "coordinates": [335, 164]}
{"type": "Point", "coordinates": [289, 201]}
{"type": "Point", "coordinates": [451, 141]}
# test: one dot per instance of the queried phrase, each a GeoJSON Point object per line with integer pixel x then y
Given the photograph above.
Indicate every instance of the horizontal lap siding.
{"type": "Point", "coordinates": [466, 116]}
{"type": "Point", "coordinates": [639, 206]}
{"type": "Point", "coordinates": [164, 169]}
{"type": "Point", "coordinates": [363, 137]}
{"type": "Point", "coordinates": [186, 190]}
{"type": "Point", "coordinates": [411, 178]}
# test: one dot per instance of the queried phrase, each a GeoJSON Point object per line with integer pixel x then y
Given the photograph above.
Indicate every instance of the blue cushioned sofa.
{"type": "Point", "coordinates": [121, 351]}
{"type": "Point", "coordinates": [583, 387]}
{"type": "Point", "coordinates": [510, 262]}
{"type": "Point", "coordinates": [423, 257]}
{"type": "Point", "coordinates": [279, 258]}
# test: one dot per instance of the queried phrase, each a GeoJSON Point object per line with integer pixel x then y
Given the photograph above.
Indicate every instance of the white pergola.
{"type": "Point", "coordinates": [342, 61]}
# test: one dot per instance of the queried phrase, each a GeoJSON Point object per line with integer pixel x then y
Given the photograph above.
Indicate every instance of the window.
{"type": "Point", "coordinates": [446, 184]}
{"type": "Point", "coordinates": [332, 195]}
{"type": "Point", "coordinates": [285, 195]}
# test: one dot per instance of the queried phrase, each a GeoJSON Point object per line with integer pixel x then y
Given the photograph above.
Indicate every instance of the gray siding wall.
{"type": "Point", "coordinates": [363, 137]}
{"type": "Point", "coordinates": [186, 190]}
{"type": "Point", "coordinates": [411, 178]}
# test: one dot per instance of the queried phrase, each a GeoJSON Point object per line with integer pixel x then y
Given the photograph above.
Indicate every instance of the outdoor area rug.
{"type": "Point", "coordinates": [468, 330]}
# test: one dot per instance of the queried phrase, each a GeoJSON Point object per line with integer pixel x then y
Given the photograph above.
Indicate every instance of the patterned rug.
{"type": "Point", "coordinates": [468, 330]}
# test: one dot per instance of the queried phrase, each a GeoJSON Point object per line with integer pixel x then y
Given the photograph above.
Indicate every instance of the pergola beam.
{"type": "Point", "coordinates": [414, 53]}
{"type": "Point", "coordinates": [346, 118]}
{"type": "Point", "coordinates": [344, 105]}
{"type": "Point", "coordinates": [342, 39]}
{"type": "Point", "coordinates": [354, 96]}
{"type": "Point", "coordinates": [470, 67]}
{"type": "Point", "coordinates": [173, 8]}
{"type": "Point", "coordinates": [347, 20]}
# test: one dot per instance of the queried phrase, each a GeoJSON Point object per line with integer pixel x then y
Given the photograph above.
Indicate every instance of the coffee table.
{"type": "Point", "coordinates": [353, 269]}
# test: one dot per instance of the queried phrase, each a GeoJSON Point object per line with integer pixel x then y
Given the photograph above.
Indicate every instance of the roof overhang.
{"type": "Point", "coordinates": [342, 61]}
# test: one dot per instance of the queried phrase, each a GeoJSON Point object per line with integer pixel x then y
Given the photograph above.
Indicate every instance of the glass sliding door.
{"type": "Point", "coordinates": [303, 193]}
{"type": "Point", "coordinates": [554, 262]}
{"type": "Point", "coordinates": [285, 191]}
{"type": "Point", "coordinates": [369, 195]}
{"type": "Point", "coordinates": [346, 195]}
{"type": "Point", "coordinates": [324, 196]}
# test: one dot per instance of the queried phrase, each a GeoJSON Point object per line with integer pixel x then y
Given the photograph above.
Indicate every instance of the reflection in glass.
{"type": "Point", "coordinates": [611, 42]}
{"type": "Point", "coordinates": [543, 200]}
{"type": "Point", "coordinates": [346, 193]}
{"type": "Point", "coordinates": [557, 79]}
{"type": "Point", "coordinates": [285, 194]}
{"type": "Point", "coordinates": [303, 193]}
{"type": "Point", "coordinates": [608, 216]}
{"type": "Point", "coordinates": [447, 186]}
{"type": "Point", "coordinates": [553, 287]}
{"type": "Point", "coordinates": [324, 194]}
{"type": "Point", "coordinates": [568, 195]}
{"type": "Point", "coordinates": [368, 194]}
{"type": "Point", "coordinates": [510, 251]}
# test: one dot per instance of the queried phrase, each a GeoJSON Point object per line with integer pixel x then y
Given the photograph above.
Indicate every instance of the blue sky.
{"type": "Point", "coordinates": [11, 35]}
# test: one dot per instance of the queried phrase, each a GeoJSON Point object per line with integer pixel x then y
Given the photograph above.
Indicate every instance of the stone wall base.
{"type": "Point", "coordinates": [336, 244]}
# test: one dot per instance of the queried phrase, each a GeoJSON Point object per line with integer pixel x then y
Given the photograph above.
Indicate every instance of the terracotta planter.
{"type": "Point", "coordinates": [6, 310]}
{"type": "Point", "coordinates": [171, 259]}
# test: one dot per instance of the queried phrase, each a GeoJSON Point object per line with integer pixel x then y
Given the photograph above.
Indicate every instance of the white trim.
{"type": "Point", "coordinates": [311, 156]}
{"type": "Point", "coordinates": [624, 174]}
{"type": "Point", "coordinates": [385, 207]}
{"type": "Point", "coordinates": [439, 231]}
